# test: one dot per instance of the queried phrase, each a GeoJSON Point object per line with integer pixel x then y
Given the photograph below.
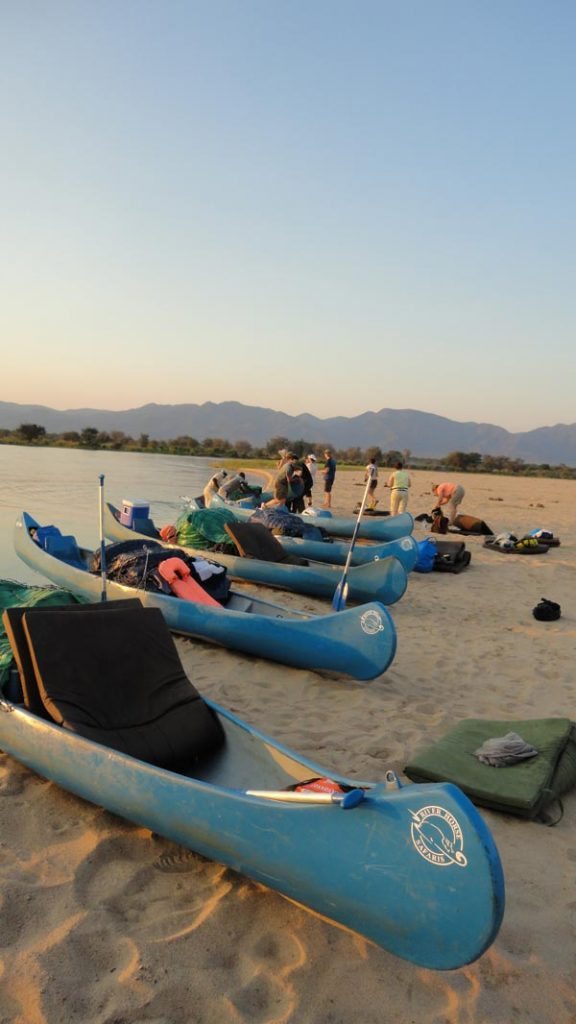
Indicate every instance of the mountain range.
{"type": "Point", "coordinates": [424, 434]}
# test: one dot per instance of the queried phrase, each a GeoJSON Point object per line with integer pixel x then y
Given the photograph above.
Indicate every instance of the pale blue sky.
{"type": "Point", "coordinates": [315, 206]}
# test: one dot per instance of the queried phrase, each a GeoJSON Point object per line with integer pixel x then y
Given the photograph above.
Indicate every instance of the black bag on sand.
{"type": "Point", "coordinates": [546, 611]}
{"type": "Point", "coordinates": [451, 556]}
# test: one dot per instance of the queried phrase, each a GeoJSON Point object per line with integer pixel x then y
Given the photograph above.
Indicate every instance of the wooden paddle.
{"type": "Point", "coordinates": [341, 592]}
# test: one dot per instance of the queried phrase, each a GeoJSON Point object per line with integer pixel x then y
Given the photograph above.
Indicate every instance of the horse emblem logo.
{"type": "Point", "coordinates": [371, 622]}
{"type": "Point", "coordinates": [438, 837]}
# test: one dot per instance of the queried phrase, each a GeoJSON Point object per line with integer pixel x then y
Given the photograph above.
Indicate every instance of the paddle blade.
{"type": "Point", "coordinates": [350, 799]}
{"type": "Point", "coordinates": [340, 596]}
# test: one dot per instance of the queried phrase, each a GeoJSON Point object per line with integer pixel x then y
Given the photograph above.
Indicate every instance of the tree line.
{"type": "Point", "coordinates": [222, 448]}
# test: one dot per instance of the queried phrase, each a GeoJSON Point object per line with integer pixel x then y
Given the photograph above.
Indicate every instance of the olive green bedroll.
{"type": "Point", "coordinates": [525, 788]}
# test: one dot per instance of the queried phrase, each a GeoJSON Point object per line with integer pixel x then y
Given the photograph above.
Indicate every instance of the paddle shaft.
{"type": "Point", "coordinates": [102, 543]}
{"type": "Point", "coordinates": [343, 800]}
{"type": "Point", "coordinates": [339, 600]}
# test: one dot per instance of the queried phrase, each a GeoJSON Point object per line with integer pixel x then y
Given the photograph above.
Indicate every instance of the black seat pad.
{"type": "Point", "coordinates": [118, 680]}
{"type": "Point", "coordinates": [12, 619]}
{"type": "Point", "coordinates": [254, 540]}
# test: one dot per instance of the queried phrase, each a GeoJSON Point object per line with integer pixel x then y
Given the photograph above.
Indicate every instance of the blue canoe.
{"type": "Point", "coordinates": [379, 529]}
{"type": "Point", "coordinates": [358, 642]}
{"type": "Point", "coordinates": [381, 580]}
{"type": "Point", "coordinates": [335, 552]}
{"type": "Point", "coordinates": [413, 868]}
{"type": "Point", "coordinates": [405, 549]}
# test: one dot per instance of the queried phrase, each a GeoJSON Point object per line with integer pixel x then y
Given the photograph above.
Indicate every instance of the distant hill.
{"type": "Point", "coordinates": [423, 433]}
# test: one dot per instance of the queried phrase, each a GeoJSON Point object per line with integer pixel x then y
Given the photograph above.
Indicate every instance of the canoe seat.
{"type": "Point", "coordinates": [254, 540]}
{"type": "Point", "coordinates": [117, 679]}
{"type": "Point", "coordinates": [12, 620]}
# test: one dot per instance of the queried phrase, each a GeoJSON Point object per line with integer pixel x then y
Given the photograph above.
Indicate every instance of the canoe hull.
{"type": "Point", "coordinates": [386, 528]}
{"type": "Point", "coordinates": [358, 642]}
{"type": "Point", "coordinates": [405, 549]}
{"type": "Point", "coordinates": [385, 583]}
{"type": "Point", "coordinates": [377, 869]}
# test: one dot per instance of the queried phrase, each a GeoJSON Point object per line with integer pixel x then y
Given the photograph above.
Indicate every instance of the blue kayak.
{"type": "Point", "coordinates": [413, 868]}
{"type": "Point", "coordinates": [382, 579]}
{"type": "Point", "coordinates": [358, 642]}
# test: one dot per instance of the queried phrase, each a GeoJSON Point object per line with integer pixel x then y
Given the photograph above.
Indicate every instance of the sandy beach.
{"type": "Point", "coordinates": [103, 923]}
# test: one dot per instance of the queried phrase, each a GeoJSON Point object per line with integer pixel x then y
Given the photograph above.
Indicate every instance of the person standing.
{"type": "Point", "coordinates": [371, 474]}
{"type": "Point", "coordinates": [214, 483]}
{"type": "Point", "coordinates": [399, 484]}
{"type": "Point", "coordinates": [450, 495]}
{"type": "Point", "coordinates": [299, 483]}
{"type": "Point", "coordinates": [329, 474]}
{"type": "Point", "coordinates": [282, 490]}
{"type": "Point", "coordinates": [311, 465]}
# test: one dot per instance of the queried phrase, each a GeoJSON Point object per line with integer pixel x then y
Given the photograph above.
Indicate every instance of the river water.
{"type": "Point", "coordinates": [61, 487]}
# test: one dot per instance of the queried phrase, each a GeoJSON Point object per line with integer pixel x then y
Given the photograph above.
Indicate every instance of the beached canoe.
{"type": "Point", "coordinates": [386, 528]}
{"type": "Point", "coordinates": [335, 552]}
{"type": "Point", "coordinates": [383, 580]}
{"type": "Point", "coordinates": [405, 549]}
{"type": "Point", "coordinates": [358, 642]}
{"type": "Point", "coordinates": [413, 868]}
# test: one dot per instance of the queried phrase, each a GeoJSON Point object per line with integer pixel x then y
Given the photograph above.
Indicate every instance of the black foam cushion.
{"type": "Point", "coordinates": [254, 540]}
{"type": "Point", "coordinates": [118, 680]}
{"type": "Point", "coordinates": [13, 624]}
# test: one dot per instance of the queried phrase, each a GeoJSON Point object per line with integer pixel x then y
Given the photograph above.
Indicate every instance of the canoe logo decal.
{"type": "Point", "coordinates": [438, 837]}
{"type": "Point", "coordinates": [371, 622]}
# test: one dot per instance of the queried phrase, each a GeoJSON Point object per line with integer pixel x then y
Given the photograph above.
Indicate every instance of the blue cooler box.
{"type": "Point", "coordinates": [134, 510]}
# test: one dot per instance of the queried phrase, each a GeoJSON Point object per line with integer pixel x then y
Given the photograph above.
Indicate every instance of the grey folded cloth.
{"type": "Point", "coordinates": [503, 750]}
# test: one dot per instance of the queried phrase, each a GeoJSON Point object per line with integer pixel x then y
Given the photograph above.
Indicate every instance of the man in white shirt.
{"type": "Point", "coordinates": [371, 474]}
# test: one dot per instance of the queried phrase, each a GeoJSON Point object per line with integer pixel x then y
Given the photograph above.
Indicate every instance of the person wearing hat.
{"type": "Point", "coordinates": [311, 465]}
{"type": "Point", "coordinates": [329, 474]}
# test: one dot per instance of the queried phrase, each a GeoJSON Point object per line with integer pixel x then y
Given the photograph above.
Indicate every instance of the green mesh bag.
{"type": "Point", "coordinates": [22, 595]}
{"type": "Point", "coordinates": [204, 528]}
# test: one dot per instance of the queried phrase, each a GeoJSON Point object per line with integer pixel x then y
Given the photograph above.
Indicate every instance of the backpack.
{"type": "Point", "coordinates": [439, 522]}
{"type": "Point", "coordinates": [427, 551]}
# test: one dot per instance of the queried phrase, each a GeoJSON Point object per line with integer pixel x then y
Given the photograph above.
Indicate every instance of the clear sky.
{"type": "Point", "coordinates": [323, 206]}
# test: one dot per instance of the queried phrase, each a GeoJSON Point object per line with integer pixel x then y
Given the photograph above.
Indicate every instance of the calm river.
{"type": "Point", "coordinates": [61, 486]}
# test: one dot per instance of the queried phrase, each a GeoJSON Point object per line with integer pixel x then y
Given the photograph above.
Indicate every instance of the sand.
{"type": "Point", "coordinates": [102, 923]}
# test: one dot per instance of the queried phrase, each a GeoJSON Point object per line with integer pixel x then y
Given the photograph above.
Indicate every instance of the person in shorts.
{"type": "Point", "coordinates": [450, 495]}
{"type": "Point", "coordinates": [371, 474]}
{"type": "Point", "coordinates": [329, 474]}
